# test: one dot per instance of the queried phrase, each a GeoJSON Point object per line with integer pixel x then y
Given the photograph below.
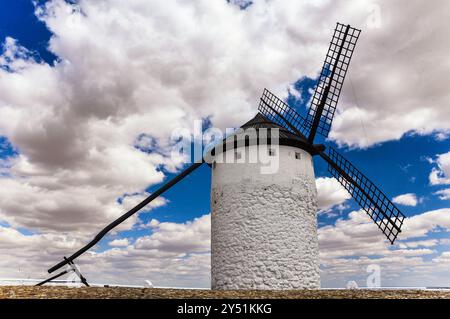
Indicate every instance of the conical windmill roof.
{"type": "Point", "coordinates": [258, 122]}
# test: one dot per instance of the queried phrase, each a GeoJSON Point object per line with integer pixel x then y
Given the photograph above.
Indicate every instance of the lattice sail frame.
{"type": "Point", "coordinates": [332, 75]}
{"type": "Point", "coordinates": [270, 105]}
{"type": "Point", "coordinates": [380, 209]}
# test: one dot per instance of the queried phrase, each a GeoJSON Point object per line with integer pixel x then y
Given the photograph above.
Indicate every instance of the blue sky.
{"type": "Point", "coordinates": [19, 21]}
{"type": "Point", "coordinates": [397, 166]}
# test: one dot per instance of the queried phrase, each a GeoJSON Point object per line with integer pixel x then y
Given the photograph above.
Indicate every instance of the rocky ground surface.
{"type": "Point", "coordinates": [153, 293]}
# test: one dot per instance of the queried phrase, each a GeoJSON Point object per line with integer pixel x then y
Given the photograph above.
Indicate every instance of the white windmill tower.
{"type": "Point", "coordinates": [264, 228]}
{"type": "Point", "coordinates": [263, 211]}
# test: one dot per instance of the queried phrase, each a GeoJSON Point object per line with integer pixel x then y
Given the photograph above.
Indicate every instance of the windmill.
{"type": "Point", "coordinates": [264, 227]}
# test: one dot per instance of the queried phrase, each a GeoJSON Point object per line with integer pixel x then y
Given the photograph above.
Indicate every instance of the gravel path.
{"type": "Point", "coordinates": [153, 293]}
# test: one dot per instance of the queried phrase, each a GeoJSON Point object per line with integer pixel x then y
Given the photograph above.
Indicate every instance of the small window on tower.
{"type": "Point", "coordinates": [298, 155]}
{"type": "Point", "coordinates": [237, 155]}
{"type": "Point", "coordinates": [214, 165]}
{"type": "Point", "coordinates": [272, 152]}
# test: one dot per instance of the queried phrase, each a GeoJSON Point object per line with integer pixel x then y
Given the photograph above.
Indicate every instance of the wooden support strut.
{"type": "Point", "coordinates": [77, 272]}
{"type": "Point", "coordinates": [53, 277]}
{"type": "Point", "coordinates": [73, 268]}
{"type": "Point", "coordinates": [128, 214]}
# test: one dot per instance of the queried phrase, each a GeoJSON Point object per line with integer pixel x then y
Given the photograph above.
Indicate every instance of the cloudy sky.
{"type": "Point", "coordinates": [90, 92]}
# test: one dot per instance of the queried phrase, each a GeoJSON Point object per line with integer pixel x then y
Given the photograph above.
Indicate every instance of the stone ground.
{"type": "Point", "coordinates": [31, 292]}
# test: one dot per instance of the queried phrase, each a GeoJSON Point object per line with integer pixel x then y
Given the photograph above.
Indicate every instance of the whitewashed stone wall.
{"type": "Point", "coordinates": [264, 227]}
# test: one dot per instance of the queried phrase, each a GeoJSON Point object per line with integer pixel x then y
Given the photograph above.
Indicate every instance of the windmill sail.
{"type": "Point", "coordinates": [275, 110]}
{"type": "Point", "coordinates": [331, 80]}
{"type": "Point", "coordinates": [380, 209]}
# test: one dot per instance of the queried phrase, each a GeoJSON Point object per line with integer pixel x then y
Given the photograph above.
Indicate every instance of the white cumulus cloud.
{"type": "Point", "coordinates": [349, 246]}
{"type": "Point", "coordinates": [409, 199]}
{"type": "Point", "coordinates": [440, 175]}
{"type": "Point", "coordinates": [444, 194]}
{"type": "Point", "coordinates": [330, 193]}
{"type": "Point", "coordinates": [124, 242]}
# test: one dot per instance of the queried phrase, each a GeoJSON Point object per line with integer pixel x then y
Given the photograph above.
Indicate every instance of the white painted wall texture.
{"type": "Point", "coordinates": [264, 227]}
